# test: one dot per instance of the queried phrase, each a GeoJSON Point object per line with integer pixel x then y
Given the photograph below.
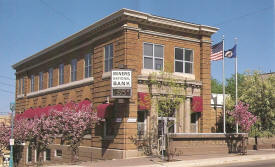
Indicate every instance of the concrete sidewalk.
{"type": "Point", "coordinates": [186, 161]}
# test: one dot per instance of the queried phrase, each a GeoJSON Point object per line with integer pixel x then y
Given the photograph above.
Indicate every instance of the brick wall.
{"type": "Point", "coordinates": [128, 51]}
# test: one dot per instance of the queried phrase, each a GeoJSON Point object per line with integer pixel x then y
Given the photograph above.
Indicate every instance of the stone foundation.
{"type": "Point", "coordinates": [85, 154]}
{"type": "Point", "coordinates": [211, 143]}
{"type": "Point", "coordinates": [263, 143]}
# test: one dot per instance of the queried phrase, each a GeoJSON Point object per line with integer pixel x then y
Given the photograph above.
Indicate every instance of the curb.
{"type": "Point", "coordinates": [214, 161]}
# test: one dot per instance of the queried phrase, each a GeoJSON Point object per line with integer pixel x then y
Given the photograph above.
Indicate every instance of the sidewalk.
{"type": "Point", "coordinates": [186, 161]}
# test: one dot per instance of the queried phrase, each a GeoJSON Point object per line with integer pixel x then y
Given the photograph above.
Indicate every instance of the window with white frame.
{"type": "Point", "coordinates": [40, 81]}
{"type": "Point", "coordinates": [73, 69]}
{"type": "Point", "coordinates": [184, 60]}
{"type": "Point", "coordinates": [29, 154]}
{"type": "Point", "coordinates": [61, 74]}
{"type": "Point", "coordinates": [50, 77]}
{"type": "Point", "coordinates": [32, 83]}
{"type": "Point", "coordinates": [58, 153]}
{"type": "Point", "coordinates": [153, 56]}
{"type": "Point", "coordinates": [88, 65]}
{"type": "Point", "coordinates": [108, 57]}
{"type": "Point", "coordinates": [47, 155]}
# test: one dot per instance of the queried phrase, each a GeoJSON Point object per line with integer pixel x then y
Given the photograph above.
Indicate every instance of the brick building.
{"type": "Point", "coordinates": [79, 67]}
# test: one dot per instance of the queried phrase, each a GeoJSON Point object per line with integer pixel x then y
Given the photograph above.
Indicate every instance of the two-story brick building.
{"type": "Point", "coordinates": [79, 67]}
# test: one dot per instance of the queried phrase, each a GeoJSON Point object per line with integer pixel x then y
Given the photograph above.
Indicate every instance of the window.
{"type": "Point", "coordinates": [183, 60]}
{"type": "Point", "coordinates": [40, 80]}
{"type": "Point", "coordinates": [88, 65]}
{"type": "Point", "coordinates": [108, 64]}
{"type": "Point", "coordinates": [61, 74]}
{"type": "Point", "coordinates": [58, 153]}
{"type": "Point", "coordinates": [32, 83]}
{"type": "Point", "coordinates": [73, 70]}
{"type": "Point", "coordinates": [108, 128]}
{"type": "Point", "coordinates": [29, 154]}
{"type": "Point", "coordinates": [47, 155]}
{"type": "Point", "coordinates": [23, 86]}
{"type": "Point", "coordinates": [19, 86]}
{"type": "Point", "coordinates": [50, 81]}
{"type": "Point", "coordinates": [152, 56]}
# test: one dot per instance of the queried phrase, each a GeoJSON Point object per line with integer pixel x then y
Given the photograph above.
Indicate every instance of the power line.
{"type": "Point", "coordinates": [6, 91]}
{"type": "Point", "coordinates": [2, 76]}
{"type": "Point", "coordinates": [245, 15]}
{"type": "Point", "coordinates": [58, 12]}
{"type": "Point", "coordinates": [6, 84]}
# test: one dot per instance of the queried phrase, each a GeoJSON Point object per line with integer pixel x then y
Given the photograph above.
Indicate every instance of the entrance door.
{"type": "Point", "coordinates": [141, 124]}
{"type": "Point", "coordinates": [167, 125]}
{"type": "Point", "coordinates": [194, 122]}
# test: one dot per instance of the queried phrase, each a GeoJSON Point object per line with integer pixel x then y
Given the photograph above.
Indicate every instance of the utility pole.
{"type": "Point", "coordinates": [12, 107]}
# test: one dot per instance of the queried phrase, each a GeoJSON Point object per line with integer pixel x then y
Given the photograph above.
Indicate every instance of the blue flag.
{"type": "Point", "coordinates": [231, 53]}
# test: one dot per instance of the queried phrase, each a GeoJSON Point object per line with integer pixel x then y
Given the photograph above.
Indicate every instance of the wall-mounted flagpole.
{"type": "Point", "coordinates": [223, 85]}
{"type": "Point", "coordinates": [236, 80]}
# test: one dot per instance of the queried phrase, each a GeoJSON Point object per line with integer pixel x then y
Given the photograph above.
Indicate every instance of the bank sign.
{"type": "Point", "coordinates": [121, 83]}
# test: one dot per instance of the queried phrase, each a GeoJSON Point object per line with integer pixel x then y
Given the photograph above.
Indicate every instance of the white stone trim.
{"type": "Point", "coordinates": [106, 75]}
{"type": "Point", "coordinates": [61, 87]}
{"type": "Point", "coordinates": [20, 96]}
{"type": "Point", "coordinates": [177, 75]}
{"type": "Point", "coordinates": [169, 35]}
{"type": "Point", "coordinates": [184, 75]}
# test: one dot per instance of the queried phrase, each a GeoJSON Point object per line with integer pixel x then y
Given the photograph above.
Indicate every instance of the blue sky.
{"type": "Point", "coordinates": [27, 27]}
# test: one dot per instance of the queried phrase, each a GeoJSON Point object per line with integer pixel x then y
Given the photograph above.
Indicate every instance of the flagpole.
{"type": "Point", "coordinates": [223, 85]}
{"type": "Point", "coordinates": [236, 79]}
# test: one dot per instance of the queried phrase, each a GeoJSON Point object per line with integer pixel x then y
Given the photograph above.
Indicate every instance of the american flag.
{"type": "Point", "coordinates": [217, 51]}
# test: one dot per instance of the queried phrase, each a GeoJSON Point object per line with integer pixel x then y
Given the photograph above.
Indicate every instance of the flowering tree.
{"type": "Point", "coordinates": [4, 137]}
{"type": "Point", "coordinates": [76, 121]}
{"type": "Point", "coordinates": [38, 127]}
{"type": "Point", "coordinates": [41, 126]}
{"type": "Point", "coordinates": [243, 117]}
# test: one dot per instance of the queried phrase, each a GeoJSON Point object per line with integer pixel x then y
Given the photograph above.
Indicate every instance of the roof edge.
{"type": "Point", "coordinates": [125, 12]}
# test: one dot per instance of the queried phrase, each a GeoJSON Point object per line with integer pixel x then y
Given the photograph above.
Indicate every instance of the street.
{"type": "Point", "coordinates": [263, 163]}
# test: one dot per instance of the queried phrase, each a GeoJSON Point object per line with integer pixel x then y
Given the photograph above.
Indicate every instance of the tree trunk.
{"type": "Point", "coordinates": [255, 147]}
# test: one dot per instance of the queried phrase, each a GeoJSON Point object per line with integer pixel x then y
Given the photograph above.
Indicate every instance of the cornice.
{"type": "Point", "coordinates": [120, 16]}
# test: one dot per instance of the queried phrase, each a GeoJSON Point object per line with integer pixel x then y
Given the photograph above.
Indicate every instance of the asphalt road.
{"type": "Point", "coordinates": [263, 163]}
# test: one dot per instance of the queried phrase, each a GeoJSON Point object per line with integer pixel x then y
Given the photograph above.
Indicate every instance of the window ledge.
{"type": "Point", "coordinates": [184, 75]}
{"type": "Point", "coordinates": [149, 71]}
{"type": "Point", "coordinates": [61, 87]}
{"type": "Point", "coordinates": [20, 96]}
{"type": "Point", "coordinates": [177, 75]}
{"type": "Point", "coordinates": [106, 75]}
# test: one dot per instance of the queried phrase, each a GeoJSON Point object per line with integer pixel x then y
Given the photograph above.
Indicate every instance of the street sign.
{"type": "Point", "coordinates": [121, 83]}
{"type": "Point", "coordinates": [11, 142]}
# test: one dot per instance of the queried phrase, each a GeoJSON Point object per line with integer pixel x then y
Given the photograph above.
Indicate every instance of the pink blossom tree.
{"type": "Point", "coordinates": [4, 137]}
{"type": "Point", "coordinates": [243, 117]}
{"type": "Point", "coordinates": [38, 127]}
{"type": "Point", "coordinates": [41, 126]}
{"type": "Point", "coordinates": [76, 122]}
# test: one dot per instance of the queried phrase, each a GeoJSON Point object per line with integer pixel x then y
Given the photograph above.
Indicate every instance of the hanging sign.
{"type": "Point", "coordinates": [121, 83]}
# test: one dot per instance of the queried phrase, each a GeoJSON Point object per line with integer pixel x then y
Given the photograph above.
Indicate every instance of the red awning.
{"type": "Point", "coordinates": [144, 101]}
{"type": "Point", "coordinates": [103, 109]}
{"type": "Point", "coordinates": [197, 104]}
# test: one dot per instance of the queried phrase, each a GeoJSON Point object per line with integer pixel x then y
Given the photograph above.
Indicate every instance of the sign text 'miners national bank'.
{"type": "Point", "coordinates": [121, 79]}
